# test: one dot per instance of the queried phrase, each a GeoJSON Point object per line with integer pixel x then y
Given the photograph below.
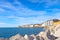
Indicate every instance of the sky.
{"type": "Point", "coordinates": [20, 12]}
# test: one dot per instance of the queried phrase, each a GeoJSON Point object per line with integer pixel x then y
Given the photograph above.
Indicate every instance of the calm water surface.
{"type": "Point", "coordinates": [8, 32]}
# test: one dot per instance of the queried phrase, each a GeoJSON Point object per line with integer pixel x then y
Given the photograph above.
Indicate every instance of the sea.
{"type": "Point", "coordinates": [8, 32]}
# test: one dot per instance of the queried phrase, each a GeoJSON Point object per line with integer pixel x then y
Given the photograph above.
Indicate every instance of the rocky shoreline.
{"type": "Point", "coordinates": [45, 35]}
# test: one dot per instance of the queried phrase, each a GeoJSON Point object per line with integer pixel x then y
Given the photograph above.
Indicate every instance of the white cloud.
{"type": "Point", "coordinates": [32, 20]}
{"type": "Point", "coordinates": [21, 10]}
{"type": "Point", "coordinates": [8, 6]}
{"type": "Point", "coordinates": [29, 20]}
{"type": "Point", "coordinates": [39, 19]}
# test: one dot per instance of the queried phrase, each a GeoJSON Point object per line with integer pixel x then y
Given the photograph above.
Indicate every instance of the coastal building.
{"type": "Point", "coordinates": [47, 23]}
{"type": "Point", "coordinates": [53, 22]}
{"type": "Point", "coordinates": [52, 25]}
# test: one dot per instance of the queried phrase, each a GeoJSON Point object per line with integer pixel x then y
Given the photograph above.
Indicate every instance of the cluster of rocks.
{"type": "Point", "coordinates": [45, 35]}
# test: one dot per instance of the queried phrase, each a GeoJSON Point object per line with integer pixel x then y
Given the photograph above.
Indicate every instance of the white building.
{"type": "Point", "coordinates": [48, 23]}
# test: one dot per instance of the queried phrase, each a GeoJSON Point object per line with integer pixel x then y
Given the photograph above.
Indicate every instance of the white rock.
{"type": "Point", "coordinates": [17, 37]}
{"type": "Point", "coordinates": [43, 35]}
{"type": "Point", "coordinates": [27, 37]}
{"type": "Point", "coordinates": [57, 33]}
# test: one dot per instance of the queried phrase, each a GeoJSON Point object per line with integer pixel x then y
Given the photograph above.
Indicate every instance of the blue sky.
{"type": "Point", "coordinates": [21, 12]}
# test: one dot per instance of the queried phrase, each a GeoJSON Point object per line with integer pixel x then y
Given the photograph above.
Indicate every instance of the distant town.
{"type": "Point", "coordinates": [53, 22]}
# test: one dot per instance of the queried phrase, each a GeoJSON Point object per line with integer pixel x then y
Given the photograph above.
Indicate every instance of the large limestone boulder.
{"type": "Point", "coordinates": [42, 36]}
{"type": "Point", "coordinates": [57, 33]}
{"type": "Point", "coordinates": [17, 37]}
{"type": "Point", "coordinates": [46, 35]}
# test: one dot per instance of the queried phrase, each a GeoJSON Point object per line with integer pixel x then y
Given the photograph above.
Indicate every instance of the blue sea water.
{"type": "Point", "coordinates": [8, 32]}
